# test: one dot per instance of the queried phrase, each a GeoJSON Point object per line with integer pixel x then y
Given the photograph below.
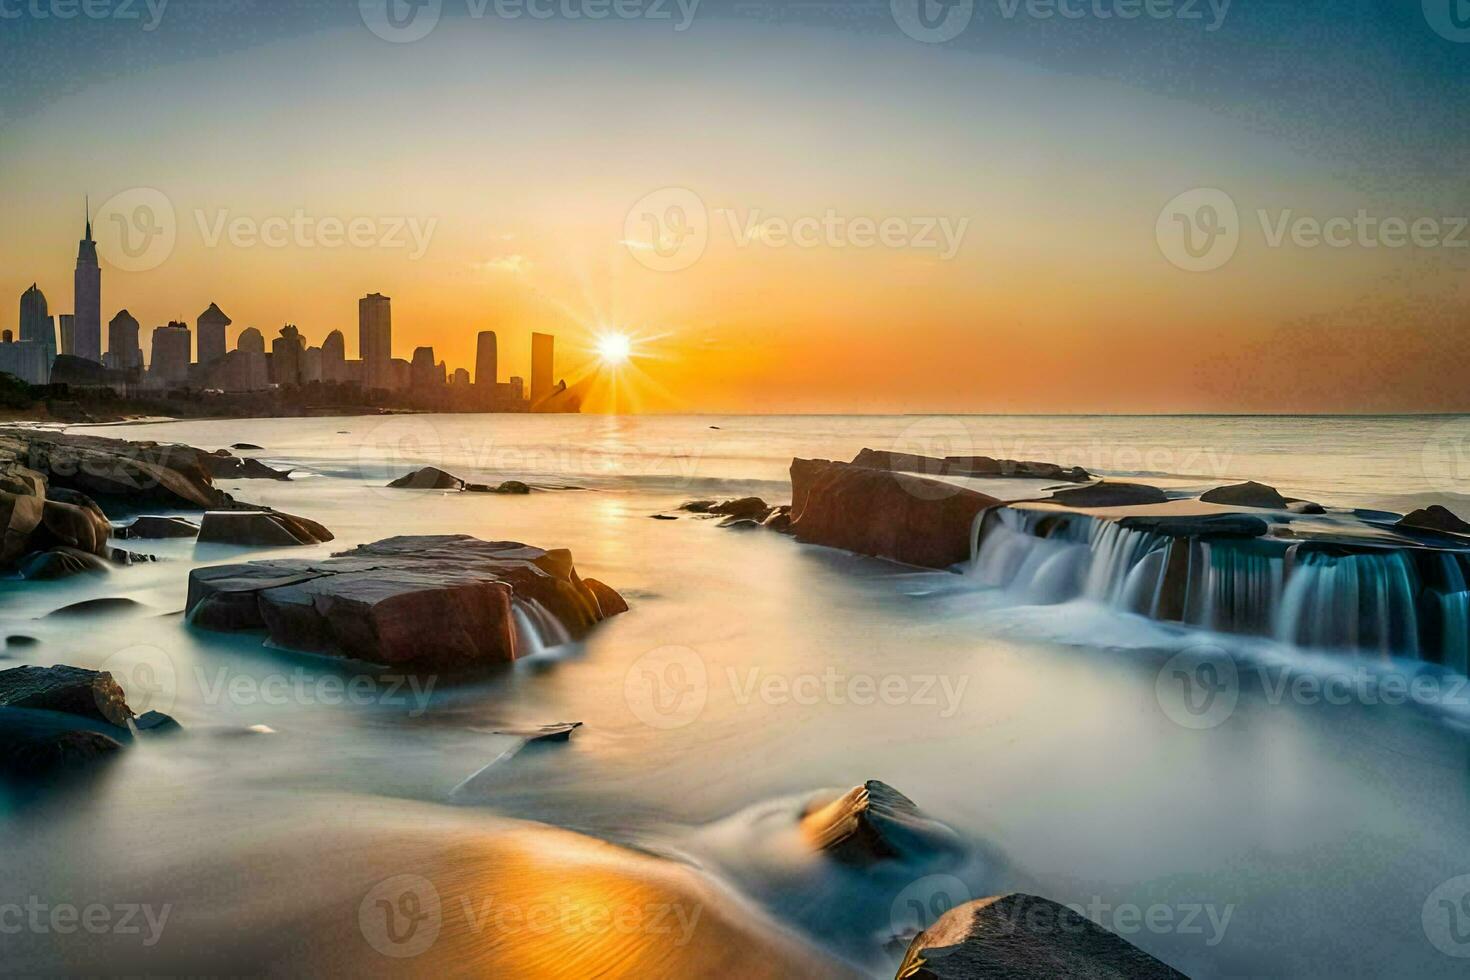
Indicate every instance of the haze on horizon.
{"type": "Point", "coordinates": [1036, 154]}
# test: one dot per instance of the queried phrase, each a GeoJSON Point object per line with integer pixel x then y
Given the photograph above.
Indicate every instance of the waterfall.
{"type": "Point", "coordinates": [537, 630]}
{"type": "Point", "coordinates": [1362, 602]}
{"type": "Point", "coordinates": [1389, 602]}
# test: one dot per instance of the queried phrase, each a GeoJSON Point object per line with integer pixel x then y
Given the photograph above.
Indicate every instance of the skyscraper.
{"type": "Point", "coordinates": [66, 327]}
{"type": "Point", "coordinates": [123, 351]}
{"type": "Point", "coordinates": [487, 367]}
{"type": "Point", "coordinates": [169, 363]}
{"type": "Point", "coordinates": [87, 305]}
{"type": "Point", "coordinates": [542, 345]}
{"type": "Point", "coordinates": [35, 321]}
{"type": "Point", "coordinates": [424, 373]}
{"type": "Point", "coordinates": [375, 340]}
{"type": "Point", "coordinates": [211, 339]}
{"type": "Point", "coordinates": [287, 353]}
{"type": "Point", "coordinates": [251, 341]}
{"type": "Point", "coordinates": [334, 357]}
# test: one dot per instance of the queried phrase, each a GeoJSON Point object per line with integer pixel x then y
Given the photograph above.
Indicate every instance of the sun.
{"type": "Point", "coordinates": [614, 348]}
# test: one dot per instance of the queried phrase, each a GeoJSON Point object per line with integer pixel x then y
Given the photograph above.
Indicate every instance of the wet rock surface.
{"type": "Point", "coordinates": [441, 601]}
{"type": "Point", "coordinates": [261, 528]}
{"type": "Point", "coordinates": [149, 526]}
{"type": "Point", "coordinates": [1025, 937]}
{"type": "Point", "coordinates": [875, 822]}
{"type": "Point", "coordinates": [969, 466]}
{"type": "Point", "coordinates": [73, 690]}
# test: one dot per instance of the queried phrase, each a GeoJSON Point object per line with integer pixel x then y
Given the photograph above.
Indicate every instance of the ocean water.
{"type": "Point", "coordinates": [1309, 825]}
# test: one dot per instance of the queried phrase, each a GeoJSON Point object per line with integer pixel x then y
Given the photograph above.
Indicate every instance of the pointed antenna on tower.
{"type": "Point", "coordinates": [87, 204]}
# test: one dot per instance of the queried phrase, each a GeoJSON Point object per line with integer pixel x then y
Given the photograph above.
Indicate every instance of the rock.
{"type": "Point", "coordinates": [1248, 494]}
{"type": "Point", "coordinates": [699, 506]}
{"type": "Point", "coordinates": [741, 523]}
{"type": "Point", "coordinates": [559, 732]}
{"type": "Point", "coordinates": [969, 466]}
{"type": "Point", "coordinates": [72, 690]}
{"type": "Point", "coordinates": [260, 528]}
{"type": "Point", "coordinates": [20, 640]}
{"type": "Point", "coordinates": [247, 445]}
{"type": "Point", "coordinates": [156, 723]}
{"type": "Point", "coordinates": [609, 601]}
{"type": "Point", "coordinates": [60, 563]}
{"type": "Point", "coordinates": [1304, 507]}
{"type": "Point", "coordinates": [428, 478]}
{"type": "Point", "coordinates": [663, 517]}
{"type": "Point", "coordinates": [512, 486]}
{"type": "Point", "coordinates": [750, 508]}
{"type": "Point", "coordinates": [1204, 525]}
{"type": "Point", "coordinates": [20, 515]}
{"type": "Point", "coordinates": [37, 753]}
{"type": "Point", "coordinates": [233, 468]}
{"type": "Point", "coordinates": [149, 526]}
{"type": "Point", "coordinates": [1110, 495]}
{"type": "Point", "coordinates": [875, 822]}
{"type": "Point", "coordinates": [96, 607]}
{"type": "Point", "coordinates": [1434, 518]}
{"type": "Point", "coordinates": [779, 520]}
{"type": "Point", "coordinates": [883, 513]}
{"type": "Point", "coordinates": [139, 472]}
{"type": "Point", "coordinates": [1024, 937]}
{"type": "Point", "coordinates": [439, 601]}
{"type": "Point", "coordinates": [74, 520]}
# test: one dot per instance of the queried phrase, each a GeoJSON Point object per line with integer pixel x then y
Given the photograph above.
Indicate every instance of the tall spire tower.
{"type": "Point", "coordinates": [87, 296]}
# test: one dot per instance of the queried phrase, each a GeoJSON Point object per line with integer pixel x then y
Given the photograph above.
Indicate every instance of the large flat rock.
{"type": "Point", "coordinates": [439, 601]}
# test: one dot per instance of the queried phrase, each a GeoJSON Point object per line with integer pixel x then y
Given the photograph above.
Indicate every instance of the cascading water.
{"type": "Point", "coordinates": [1390, 602]}
{"type": "Point", "coordinates": [536, 628]}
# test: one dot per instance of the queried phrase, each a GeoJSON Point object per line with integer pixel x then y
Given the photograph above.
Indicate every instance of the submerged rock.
{"type": "Point", "coordinates": [234, 468]}
{"type": "Point", "coordinates": [37, 752]}
{"type": "Point", "coordinates": [1024, 936]}
{"type": "Point", "coordinates": [96, 607]}
{"type": "Point", "coordinates": [749, 508]}
{"type": "Point", "coordinates": [72, 690]}
{"type": "Point", "coordinates": [1202, 525]}
{"type": "Point", "coordinates": [260, 528]}
{"type": "Point", "coordinates": [60, 563]}
{"type": "Point", "coordinates": [1434, 518]}
{"type": "Point", "coordinates": [245, 445]}
{"type": "Point", "coordinates": [428, 478]}
{"type": "Point", "coordinates": [969, 466]}
{"type": "Point", "coordinates": [558, 732]}
{"type": "Point", "coordinates": [149, 526]}
{"type": "Point", "coordinates": [509, 486]}
{"type": "Point", "coordinates": [1110, 495]}
{"type": "Point", "coordinates": [1248, 494]}
{"type": "Point", "coordinates": [875, 822]}
{"type": "Point", "coordinates": [430, 601]}
{"type": "Point", "coordinates": [883, 513]}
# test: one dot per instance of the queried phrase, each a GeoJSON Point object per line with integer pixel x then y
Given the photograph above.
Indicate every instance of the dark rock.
{"type": "Point", "coordinates": [156, 723]}
{"type": "Point", "coordinates": [1110, 495]}
{"type": "Point", "coordinates": [875, 822]}
{"type": "Point", "coordinates": [260, 528]}
{"type": "Point", "coordinates": [71, 690]}
{"type": "Point", "coordinates": [42, 753]}
{"type": "Point", "coordinates": [751, 508]}
{"type": "Point", "coordinates": [60, 563]}
{"type": "Point", "coordinates": [149, 526]}
{"type": "Point", "coordinates": [1023, 937]}
{"type": "Point", "coordinates": [97, 607]}
{"type": "Point", "coordinates": [887, 514]}
{"type": "Point", "coordinates": [779, 519]}
{"type": "Point", "coordinates": [512, 486]}
{"type": "Point", "coordinates": [20, 640]}
{"type": "Point", "coordinates": [140, 472]}
{"type": "Point", "coordinates": [969, 466]}
{"type": "Point", "coordinates": [1304, 507]}
{"type": "Point", "coordinates": [559, 732]}
{"type": "Point", "coordinates": [1435, 518]}
{"type": "Point", "coordinates": [699, 506]}
{"type": "Point", "coordinates": [245, 445]}
{"type": "Point", "coordinates": [232, 468]}
{"type": "Point", "coordinates": [1248, 494]}
{"type": "Point", "coordinates": [663, 517]}
{"type": "Point", "coordinates": [428, 478]}
{"type": "Point", "coordinates": [439, 601]}
{"type": "Point", "coordinates": [1203, 525]}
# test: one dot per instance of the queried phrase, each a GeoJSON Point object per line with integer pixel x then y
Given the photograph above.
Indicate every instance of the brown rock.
{"type": "Point", "coordinates": [609, 601]}
{"type": "Point", "coordinates": [149, 526]}
{"type": "Point", "coordinates": [1248, 494]}
{"type": "Point", "coordinates": [428, 478]}
{"type": "Point", "coordinates": [1110, 495]}
{"type": "Point", "coordinates": [887, 514]}
{"type": "Point", "coordinates": [441, 601]}
{"type": "Point", "coordinates": [875, 822]}
{"type": "Point", "coordinates": [1023, 937]}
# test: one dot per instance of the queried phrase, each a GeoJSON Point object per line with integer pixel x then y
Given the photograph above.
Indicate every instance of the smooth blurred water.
{"type": "Point", "coordinates": [753, 671]}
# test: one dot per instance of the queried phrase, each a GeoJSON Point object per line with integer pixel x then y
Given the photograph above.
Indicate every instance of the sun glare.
{"type": "Point", "coordinates": [614, 348]}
